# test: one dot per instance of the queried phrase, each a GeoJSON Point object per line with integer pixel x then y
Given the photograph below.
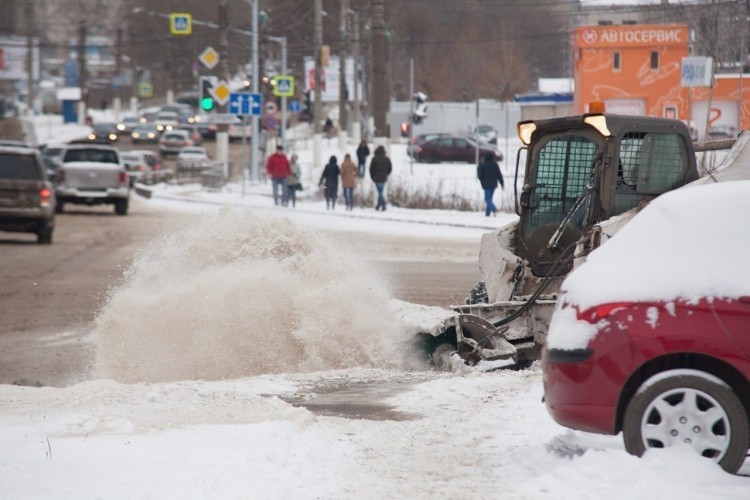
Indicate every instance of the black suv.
{"type": "Point", "coordinates": [27, 198]}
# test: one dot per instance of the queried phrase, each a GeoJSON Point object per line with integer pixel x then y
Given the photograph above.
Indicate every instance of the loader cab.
{"type": "Point", "coordinates": [581, 170]}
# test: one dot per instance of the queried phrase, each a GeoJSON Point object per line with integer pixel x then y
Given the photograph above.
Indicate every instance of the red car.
{"type": "Point", "coordinates": [453, 148]}
{"type": "Point", "coordinates": [651, 335]}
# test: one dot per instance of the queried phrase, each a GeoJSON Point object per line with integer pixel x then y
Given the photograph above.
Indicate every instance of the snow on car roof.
{"type": "Point", "coordinates": [686, 244]}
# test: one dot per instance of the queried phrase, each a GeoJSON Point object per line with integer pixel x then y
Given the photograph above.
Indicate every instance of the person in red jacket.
{"type": "Point", "coordinates": [278, 168]}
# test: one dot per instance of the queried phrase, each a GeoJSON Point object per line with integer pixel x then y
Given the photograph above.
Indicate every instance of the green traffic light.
{"type": "Point", "coordinates": [207, 103]}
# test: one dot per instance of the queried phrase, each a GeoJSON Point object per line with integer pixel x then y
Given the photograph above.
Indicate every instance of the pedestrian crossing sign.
{"type": "Point", "coordinates": [180, 23]}
{"type": "Point", "coordinates": [284, 86]}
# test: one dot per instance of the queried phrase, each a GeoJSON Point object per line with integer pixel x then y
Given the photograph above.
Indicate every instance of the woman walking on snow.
{"type": "Point", "coordinates": [293, 181]}
{"type": "Point", "coordinates": [330, 178]}
{"type": "Point", "coordinates": [348, 180]}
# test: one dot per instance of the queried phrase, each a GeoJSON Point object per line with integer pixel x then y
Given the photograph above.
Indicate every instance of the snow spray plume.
{"type": "Point", "coordinates": [237, 295]}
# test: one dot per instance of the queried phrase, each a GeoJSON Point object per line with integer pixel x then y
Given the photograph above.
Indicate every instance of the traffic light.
{"type": "Point", "coordinates": [420, 107]}
{"type": "Point", "coordinates": [206, 84]}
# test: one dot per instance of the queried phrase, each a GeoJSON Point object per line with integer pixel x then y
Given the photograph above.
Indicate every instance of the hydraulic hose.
{"type": "Point", "coordinates": [561, 260]}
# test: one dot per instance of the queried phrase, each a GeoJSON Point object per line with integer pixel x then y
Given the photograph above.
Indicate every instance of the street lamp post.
{"type": "Point", "coordinates": [282, 40]}
{"type": "Point", "coordinates": [254, 139]}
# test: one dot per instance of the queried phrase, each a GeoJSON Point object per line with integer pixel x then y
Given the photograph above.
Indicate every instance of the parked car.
{"type": "Point", "coordinates": [27, 198]}
{"type": "Point", "coordinates": [92, 174]}
{"type": "Point", "coordinates": [485, 134]}
{"type": "Point", "coordinates": [420, 139]}
{"type": "Point", "coordinates": [105, 133]}
{"type": "Point", "coordinates": [143, 166]}
{"type": "Point", "coordinates": [453, 148]}
{"type": "Point", "coordinates": [144, 133]}
{"type": "Point", "coordinates": [171, 142]}
{"type": "Point", "coordinates": [651, 335]}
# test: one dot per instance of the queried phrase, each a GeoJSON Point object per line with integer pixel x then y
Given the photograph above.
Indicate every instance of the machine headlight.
{"type": "Point", "coordinates": [525, 129]}
{"type": "Point", "coordinates": [599, 122]}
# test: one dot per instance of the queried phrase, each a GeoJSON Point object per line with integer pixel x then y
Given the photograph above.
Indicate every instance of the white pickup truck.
{"type": "Point", "coordinates": [92, 174]}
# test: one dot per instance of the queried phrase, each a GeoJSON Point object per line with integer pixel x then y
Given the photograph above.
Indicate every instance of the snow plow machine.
{"type": "Point", "coordinates": [585, 177]}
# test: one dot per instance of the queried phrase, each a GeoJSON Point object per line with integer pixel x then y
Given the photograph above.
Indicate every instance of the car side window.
{"type": "Point", "coordinates": [444, 142]}
{"type": "Point", "coordinates": [460, 143]}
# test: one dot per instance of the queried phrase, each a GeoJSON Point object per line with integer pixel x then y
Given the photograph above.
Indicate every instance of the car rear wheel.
{"type": "Point", "coordinates": [121, 207]}
{"type": "Point", "coordinates": [44, 235]}
{"type": "Point", "coordinates": [688, 407]}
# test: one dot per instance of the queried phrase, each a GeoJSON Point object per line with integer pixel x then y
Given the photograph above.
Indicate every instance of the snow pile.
{"type": "Point", "coordinates": [237, 295]}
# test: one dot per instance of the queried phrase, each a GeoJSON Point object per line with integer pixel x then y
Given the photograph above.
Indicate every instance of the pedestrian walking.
{"type": "Point", "coordinates": [294, 183]}
{"type": "Point", "coordinates": [330, 178]}
{"type": "Point", "coordinates": [363, 151]}
{"type": "Point", "coordinates": [380, 169]}
{"type": "Point", "coordinates": [490, 176]}
{"type": "Point", "coordinates": [277, 167]}
{"type": "Point", "coordinates": [348, 180]}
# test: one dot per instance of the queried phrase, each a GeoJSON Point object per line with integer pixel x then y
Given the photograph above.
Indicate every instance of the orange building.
{"type": "Point", "coordinates": [636, 69]}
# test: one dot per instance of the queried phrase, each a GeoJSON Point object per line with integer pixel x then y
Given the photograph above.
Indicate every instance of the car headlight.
{"type": "Point", "coordinates": [112, 137]}
{"type": "Point", "coordinates": [92, 137]}
{"type": "Point", "coordinates": [136, 135]}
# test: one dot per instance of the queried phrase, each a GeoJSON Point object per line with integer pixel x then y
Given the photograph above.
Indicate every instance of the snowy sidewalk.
{"type": "Point", "coordinates": [258, 197]}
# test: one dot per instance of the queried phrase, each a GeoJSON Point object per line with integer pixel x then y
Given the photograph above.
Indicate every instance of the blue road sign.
{"type": "Point", "coordinates": [294, 106]}
{"type": "Point", "coordinates": [245, 104]}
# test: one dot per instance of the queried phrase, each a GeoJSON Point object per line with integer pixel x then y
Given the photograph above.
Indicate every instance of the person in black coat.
{"type": "Point", "coordinates": [330, 178]}
{"type": "Point", "coordinates": [362, 153]}
{"type": "Point", "coordinates": [380, 169]}
{"type": "Point", "coordinates": [489, 176]}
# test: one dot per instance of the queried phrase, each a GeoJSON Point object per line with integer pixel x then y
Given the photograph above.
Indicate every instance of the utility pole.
{"type": "Point", "coordinates": [117, 104]}
{"type": "Point", "coordinates": [317, 105]}
{"type": "Point", "coordinates": [256, 76]}
{"type": "Point", "coordinates": [222, 134]}
{"type": "Point", "coordinates": [82, 71]}
{"type": "Point", "coordinates": [356, 123]}
{"type": "Point", "coordinates": [343, 94]}
{"type": "Point", "coordinates": [29, 7]}
{"type": "Point", "coordinates": [224, 38]}
{"type": "Point", "coordinates": [281, 40]}
{"type": "Point", "coordinates": [380, 93]}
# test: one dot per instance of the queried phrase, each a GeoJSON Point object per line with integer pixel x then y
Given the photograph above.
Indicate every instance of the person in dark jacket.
{"type": "Point", "coordinates": [362, 153]}
{"type": "Point", "coordinates": [489, 176]}
{"type": "Point", "coordinates": [380, 169]}
{"type": "Point", "coordinates": [330, 178]}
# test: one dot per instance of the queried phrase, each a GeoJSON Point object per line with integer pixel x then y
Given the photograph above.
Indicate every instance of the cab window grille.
{"type": "Point", "coordinates": [562, 171]}
{"type": "Point", "coordinates": [649, 165]}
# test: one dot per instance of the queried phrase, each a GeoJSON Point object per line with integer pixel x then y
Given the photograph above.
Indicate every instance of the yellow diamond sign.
{"type": "Point", "coordinates": [221, 93]}
{"type": "Point", "coordinates": [209, 58]}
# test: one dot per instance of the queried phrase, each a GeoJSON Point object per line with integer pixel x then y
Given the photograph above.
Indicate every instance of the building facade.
{"type": "Point", "coordinates": [637, 70]}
